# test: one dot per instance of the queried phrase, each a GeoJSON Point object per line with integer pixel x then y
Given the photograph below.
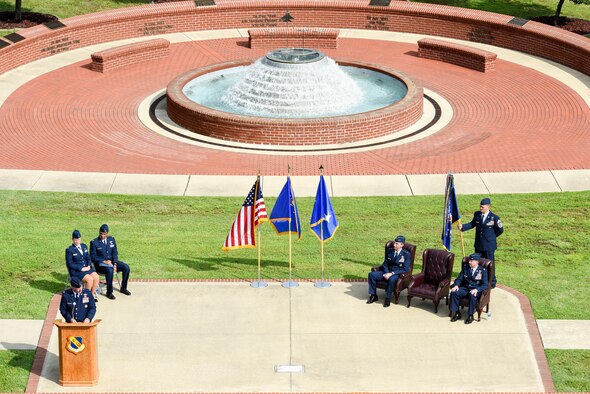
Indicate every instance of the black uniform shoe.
{"type": "Point", "coordinates": [469, 319]}
{"type": "Point", "coordinates": [387, 303]}
{"type": "Point", "coordinates": [125, 291]}
{"type": "Point", "coordinates": [372, 298]}
{"type": "Point", "coordinates": [456, 317]}
{"type": "Point", "coordinates": [110, 296]}
{"type": "Point", "coordinates": [95, 299]}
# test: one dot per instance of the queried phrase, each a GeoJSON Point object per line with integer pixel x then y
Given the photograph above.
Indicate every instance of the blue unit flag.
{"type": "Point", "coordinates": [284, 217]}
{"type": "Point", "coordinates": [451, 213]}
{"type": "Point", "coordinates": [323, 221]}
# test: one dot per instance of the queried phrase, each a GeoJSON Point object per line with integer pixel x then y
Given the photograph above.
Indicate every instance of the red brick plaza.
{"type": "Point", "coordinates": [513, 118]}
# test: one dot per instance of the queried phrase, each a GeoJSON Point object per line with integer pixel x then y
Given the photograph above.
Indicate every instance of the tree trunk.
{"type": "Point", "coordinates": [557, 12]}
{"type": "Point", "coordinates": [18, 16]}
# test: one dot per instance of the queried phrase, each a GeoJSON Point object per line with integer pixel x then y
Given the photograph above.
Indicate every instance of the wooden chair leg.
{"type": "Point", "coordinates": [409, 301]}
{"type": "Point", "coordinates": [395, 298]}
{"type": "Point", "coordinates": [436, 306]}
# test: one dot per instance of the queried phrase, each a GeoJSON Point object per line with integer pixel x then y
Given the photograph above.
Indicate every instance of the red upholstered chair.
{"type": "Point", "coordinates": [484, 298]}
{"type": "Point", "coordinates": [404, 279]}
{"type": "Point", "coordinates": [435, 279]}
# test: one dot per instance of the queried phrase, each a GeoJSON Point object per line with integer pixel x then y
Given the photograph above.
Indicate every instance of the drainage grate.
{"type": "Point", "coordinates": [54, 25]}
{"type": "Point", "coordinates": [380, 3]}
{"type": "Point", "coordinates": [204, 3]}
{"type": "Point", "coordinates": [14, 37]}
{"type": "Point", "coordinates": [290, 368]}
{"type": "Point", "coordinates": [518, 21]}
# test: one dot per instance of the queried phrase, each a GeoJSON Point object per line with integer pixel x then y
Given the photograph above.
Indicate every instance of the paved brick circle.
{"type": "Point", "coordinates": [513, 119]}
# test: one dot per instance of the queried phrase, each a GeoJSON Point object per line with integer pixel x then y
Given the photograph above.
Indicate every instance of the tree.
{"type": "Point", "coordinates": [560, 4]}
{"type": "Point", "coordinates": [18, 15]}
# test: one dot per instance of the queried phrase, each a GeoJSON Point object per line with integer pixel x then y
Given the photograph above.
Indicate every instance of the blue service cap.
{"type": "Point", "coordinates": [104, 228]}
{"type": "Point", "coordinates": [475, 256]}
{"type": "Point", "coordinates": [400, 238]}
{"type": "Point", "coordinates": [75, 282]}
{"type": "Point", "coordinates": [485, 201]}
{"type": "Point", "coordinates": [76, 234]}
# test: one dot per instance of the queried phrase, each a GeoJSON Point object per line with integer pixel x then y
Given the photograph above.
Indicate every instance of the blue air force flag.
{"type": "Point", "coordinates": [323, 221]}
{"type": "Point", "coordinates": [451, 213]}
{"type": "Point", "coordinates": [284, 217]}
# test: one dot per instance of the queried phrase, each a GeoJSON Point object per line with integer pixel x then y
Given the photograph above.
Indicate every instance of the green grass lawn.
{"type": "Point", "coordinates": [543, 252]}
{"type": "Point", "coordinates": [520, 8]}
{"type": "Point", "coordinates": [544, 244]}
{"type": "Point", "coordinates": [14, 369]}
{"type": "Point", "coordinates": [570, 369]}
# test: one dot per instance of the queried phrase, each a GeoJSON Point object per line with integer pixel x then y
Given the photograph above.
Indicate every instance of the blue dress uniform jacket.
{"type": "Point", "coordinates": [486, 232]}
{"type": "Point", "coordinates": [75, 261]}
{"type": "Point", "coordinates": [80, 308]}
{"type": "Point", "coordinates": [99, 252]}
{"type": "Point", "coordinates": [467, 282]}
{"type": "Point", "coordinates": [397, 266]}
{"type": "Point", "coordinates": [479, 280]}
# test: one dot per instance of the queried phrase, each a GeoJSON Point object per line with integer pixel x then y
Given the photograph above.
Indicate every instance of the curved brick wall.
{"type": "Point", "coordinates": [273, 131]}
{"type": "Point", "coordinates": [471, 25]}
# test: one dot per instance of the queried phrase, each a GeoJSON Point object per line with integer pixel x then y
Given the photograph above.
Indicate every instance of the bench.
{"type": "Point", "coordinates": [125, 55]}
{"type": "Point", "coordinates": [460, 55]}
{"type": "Point", "coordinates": [293, 37]}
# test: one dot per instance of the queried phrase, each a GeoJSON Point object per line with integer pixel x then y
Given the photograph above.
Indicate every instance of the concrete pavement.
{"type": "Point", "coordinates": [230, 337]}
{"type": "Point", "coordinates": [305, 186]}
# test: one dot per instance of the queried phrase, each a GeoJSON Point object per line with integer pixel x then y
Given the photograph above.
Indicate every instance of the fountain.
{"type": "Point", "coordinates": [294, 96]}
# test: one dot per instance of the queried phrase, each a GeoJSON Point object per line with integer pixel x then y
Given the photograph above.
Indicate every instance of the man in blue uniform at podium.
{"type": "Point", "coordinates": [77, 304]}
{"type": "Point", "coordinates": [104, 255]}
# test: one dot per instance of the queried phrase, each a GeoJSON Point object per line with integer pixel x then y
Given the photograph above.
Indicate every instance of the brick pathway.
{"type": "Point", "coordinates": [77, 120]}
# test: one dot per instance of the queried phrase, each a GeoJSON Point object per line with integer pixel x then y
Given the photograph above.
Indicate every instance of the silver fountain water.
{"type": "Point", "coordinates": [294, 82]}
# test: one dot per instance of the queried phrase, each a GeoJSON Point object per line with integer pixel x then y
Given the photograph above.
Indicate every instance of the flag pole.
{"type": "Point", "coordinates": [259, 283]}
{"type": "Point", "coordinates": [290, 283]}
{"type": "Point", "coordinates": [322, 284]}
{"type": "Point", "coordinates": [462, 240]}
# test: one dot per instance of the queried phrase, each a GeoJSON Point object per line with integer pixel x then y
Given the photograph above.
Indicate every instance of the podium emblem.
{"type": "Point", "coordinates": [75, 345]}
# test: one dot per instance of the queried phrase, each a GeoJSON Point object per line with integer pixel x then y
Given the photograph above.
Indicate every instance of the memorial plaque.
{"type": "Point", "coordinates": [14, 37]}
{"type": "Point", "coordinates": [54, 25]}
{"type": "Point", "coordinates": [204, 3]}
{"type": "Point", "coordinates": [518, 21]}
{"type": "Point", "coordinates": [3, 44]}
{"type": "Point", "coordinates": [380, 3]}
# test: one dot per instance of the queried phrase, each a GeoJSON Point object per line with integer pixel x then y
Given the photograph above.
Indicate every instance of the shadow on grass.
{"type": "Point", "coordinates": [51, 286]}
{"type": "Point", "coordinates": [216, 263]}
{"type": "Point", "coordinates": [21, 358]}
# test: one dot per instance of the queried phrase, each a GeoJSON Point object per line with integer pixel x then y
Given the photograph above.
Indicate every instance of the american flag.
{"type": "Point", "coordinates": [253, 212]}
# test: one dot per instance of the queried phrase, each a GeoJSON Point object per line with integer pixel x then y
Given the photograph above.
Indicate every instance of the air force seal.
{"type": "Point", "coordinates": [75, 345]}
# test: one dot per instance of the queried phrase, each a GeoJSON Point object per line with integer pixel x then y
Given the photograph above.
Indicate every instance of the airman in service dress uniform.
{"type": "Point", "coordinates": [397, 261]}
{"type": "Point", "coordinates": [472, 280]}
{"type": "Point", "coordinates": [104, 255]}
{"type": "Point", "coordinates": [488, 227]}
{"type": "Point", "coordinates": [78, 263]}
{"type": "Point", "coordinates": [77, 304]}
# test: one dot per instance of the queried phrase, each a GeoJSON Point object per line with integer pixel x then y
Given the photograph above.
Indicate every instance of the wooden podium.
{"type": "Point", "coordinates": [78, 353]}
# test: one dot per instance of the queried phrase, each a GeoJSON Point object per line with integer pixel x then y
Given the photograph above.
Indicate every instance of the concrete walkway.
{"type": "Point", "coordinates": [305, 186]}
{"type": "Point", "coordinates": [230, 337]}
{"type": "Point", "coordinates": [17, 334]}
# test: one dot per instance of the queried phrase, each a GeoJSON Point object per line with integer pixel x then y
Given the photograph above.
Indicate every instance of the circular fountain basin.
{"type": "Point", "coordinates": [361, 123]}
